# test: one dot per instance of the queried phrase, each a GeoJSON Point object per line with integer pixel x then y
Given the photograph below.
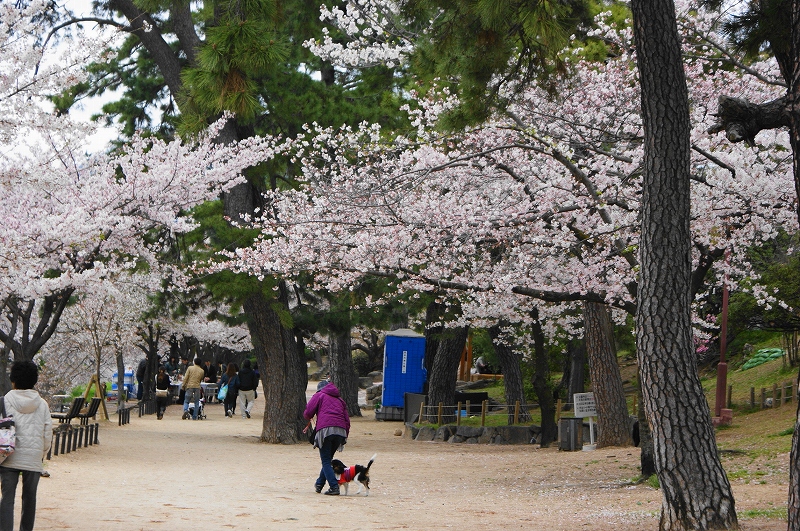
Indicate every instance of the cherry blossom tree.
{"type": "Point", "coordinates": [545, 200]}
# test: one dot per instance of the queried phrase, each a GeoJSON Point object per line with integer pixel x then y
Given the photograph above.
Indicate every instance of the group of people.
{"type": "Point", "coordinates": [34, 429]}
{"type": "Point", "coordinates": [241, 385]}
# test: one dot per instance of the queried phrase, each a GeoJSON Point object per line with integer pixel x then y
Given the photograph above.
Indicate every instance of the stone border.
{"type": "Point", "coordinates": [474, 435]}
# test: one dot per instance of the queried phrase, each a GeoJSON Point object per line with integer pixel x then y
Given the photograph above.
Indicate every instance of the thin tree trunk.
{"type": "Point", "coordinates": [541, 384]}
{"type": "Point", "coordinates": [442, 378]}
{"type": "Point", "coordinates": [343, 374]}
{"type": "Point", "coordinates": [282, 368]}
{"type": "Point", "coordinates": [696, 492]}
{"type": "Point", "coordinates": [613, 421]}
{"type": "Point", "coordinates": [512, 374]}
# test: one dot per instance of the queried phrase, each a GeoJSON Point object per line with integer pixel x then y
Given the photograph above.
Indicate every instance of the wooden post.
{"type": "Point", "coordinates": [784, 393]}
{"type": "Point", "coordinates": [483, 412]}
{"type": "Point", "coordinates": [558, 410]}
{"type": "Point", "coordinates": [468, 409]}
{"type": "Point", "coordinates": [763, 396]}
{"type": "Point", "coordinates": [421, 411]}
{"type": "Point", "coordinates": [730, 396]}
{"type": "Point", "coordinates": [458, 414]}
{"type": "Point", "coordinates": [439, 414]}
{"type": "Point", "coordinates": [752, 397]}
{"type": "Point", "coordinates": [775, 402]}
{"type": "Point", "coordinates": [516, 412]}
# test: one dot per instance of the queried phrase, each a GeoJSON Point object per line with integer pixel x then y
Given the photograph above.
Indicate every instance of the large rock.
{"type": "Point", "coordinates": [513, 435]}
{"type": "Point", "coordinates": [444, 433]}
{"type": "Point", "coordinates": [426, 433]}
{"type": "Point", "coordinates": [469, 431]}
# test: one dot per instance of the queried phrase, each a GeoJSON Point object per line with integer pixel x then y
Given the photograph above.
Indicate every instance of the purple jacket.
{"type": "Point", "coordinates": [330, 409]}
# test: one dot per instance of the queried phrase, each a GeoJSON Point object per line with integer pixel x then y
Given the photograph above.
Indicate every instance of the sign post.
{"type": "Point", "coordinates": [585, 407]}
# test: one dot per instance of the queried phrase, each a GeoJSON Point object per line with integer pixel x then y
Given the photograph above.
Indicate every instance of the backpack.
{"type": "Point", "coordinates": [8, 432]}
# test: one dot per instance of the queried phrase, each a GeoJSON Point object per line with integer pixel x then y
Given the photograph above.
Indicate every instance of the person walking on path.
{"type": "Point", "coordinates": [230, 379]}
{"type": "Point", "coordinates": [34, 433]}
{"type": "Point", "coordinates": [191, 384]}
{"type": "Point", "coordinates": [333, 428]}
{"type": "Point", "coordinates": [247, 388]}
{"type": "Point", "coordinates": [162, 391]}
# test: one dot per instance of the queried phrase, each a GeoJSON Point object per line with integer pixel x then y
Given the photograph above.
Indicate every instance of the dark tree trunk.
{"type": "Point", "coordinates": [696, 492]}
{"type": "Point", "coordinates": [433, 331]}
{"type": "Point", "coordinates": [512, 375]}
{"type": "Point", "coordinates": [613, 421]}
{"type": "Point", "coordinates": [343, 374]}
{"type": "Point", "coordinates": [283, 370]}
{"type": "Point", "coordinates": [150, 338]}
{"type": "Point", "coordinates": [647, 459]}
{"type": "Point", "coordinates": [541, 384]}
{"type": "Point", "coordinates": [21, 316]}
{"type": "Point", "coordinates": [577, 369]}
{"type": "Point", "coordinates": [442, 378]}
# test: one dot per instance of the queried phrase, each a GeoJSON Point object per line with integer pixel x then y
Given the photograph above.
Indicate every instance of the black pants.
{"type": "Point", "coordinates": [9, 477]}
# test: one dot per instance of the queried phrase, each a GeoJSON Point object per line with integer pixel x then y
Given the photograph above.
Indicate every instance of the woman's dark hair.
{"type": "Point", "coordinates": [24, 374]}
{"type": "Point", "coordinates": [231, 370]}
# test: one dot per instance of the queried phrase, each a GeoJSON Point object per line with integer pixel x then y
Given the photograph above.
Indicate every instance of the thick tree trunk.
{"type": "Point", "coordinates": [282, 367]}
{"type": "Point", "coordinates": [512, 374]}
{"type": "Point", "coordinates": [696, 491]}
{"type": "Point", "coordinates": [613, 421]}
{"type": "Point", "coordinates": [433, 331]}
{"type": "Point", "coordinates": [343, 374]}
{"type": "Point", "coordinates": [442, 378]}
{"type": "Point", "coordinates": [793, 96]}
{"type": "Point", "coordinates": [541, 384]}
{"type": "Point", "coordinates": [577, 368]}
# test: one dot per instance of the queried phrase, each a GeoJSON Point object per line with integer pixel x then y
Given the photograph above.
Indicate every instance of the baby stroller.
{"type": "Point", "coordinates": [201, 414]}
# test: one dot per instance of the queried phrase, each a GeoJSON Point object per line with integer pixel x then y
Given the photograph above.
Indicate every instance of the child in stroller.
{"type": "Point", "coordinates": [201, 412]}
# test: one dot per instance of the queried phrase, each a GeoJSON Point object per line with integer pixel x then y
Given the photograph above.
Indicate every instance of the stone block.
{"type": "Point", "coordinates": [426, 433]}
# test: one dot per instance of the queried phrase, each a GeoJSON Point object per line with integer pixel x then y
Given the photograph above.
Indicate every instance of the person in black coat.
{"type": "Point", "coordinates": [247, 388]}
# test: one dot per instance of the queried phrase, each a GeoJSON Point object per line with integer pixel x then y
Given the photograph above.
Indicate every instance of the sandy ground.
{"type": "Point", "coordinates": [214, 474]}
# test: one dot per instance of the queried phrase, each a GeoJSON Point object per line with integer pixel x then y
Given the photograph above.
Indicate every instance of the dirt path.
{"type": "Point", "coordinates": [184, 475]}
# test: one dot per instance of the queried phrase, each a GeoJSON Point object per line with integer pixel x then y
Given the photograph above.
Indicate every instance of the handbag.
{"type": "Point", "coordinates": [311, 432]}
{"type": "Point", "coordinates": [8, 432]}
{"type": "Point", "coordinates": [223, 392]}
{"type": "Point", "coordinates": [162, 393]}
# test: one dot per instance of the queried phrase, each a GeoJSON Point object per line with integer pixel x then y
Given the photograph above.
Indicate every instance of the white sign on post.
{"type": "Point", "coordinates": [584, 405]}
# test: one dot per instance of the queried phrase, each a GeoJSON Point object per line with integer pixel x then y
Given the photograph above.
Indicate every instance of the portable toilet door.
{"type": "Point", "coordinates": [403, 366]}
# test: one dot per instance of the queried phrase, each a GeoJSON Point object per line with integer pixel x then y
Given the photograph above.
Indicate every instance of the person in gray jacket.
{"type": "Point", "coordinates": [34, 434]}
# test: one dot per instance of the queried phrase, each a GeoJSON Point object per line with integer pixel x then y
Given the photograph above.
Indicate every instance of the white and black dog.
{"type": "Point", "coordinates": [356, 473]}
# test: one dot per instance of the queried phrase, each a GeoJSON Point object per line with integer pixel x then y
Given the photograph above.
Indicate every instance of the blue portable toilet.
{"type": "Point", "coordinates": [403, 371]}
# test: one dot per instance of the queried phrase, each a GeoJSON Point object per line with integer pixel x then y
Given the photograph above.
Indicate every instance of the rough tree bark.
{"type": "Point", "coordinates": [343, 374]}
{"type": "Point", "coordinates": [696, 492]}
{"type": "Point", "coordinates": [283, 372]}
{"type": "Point", "coordinates": [613, 421]}
{"type": "Point", "coordinates": [443, 375]}
{"type": "Point", "coordinates": [512, 374]}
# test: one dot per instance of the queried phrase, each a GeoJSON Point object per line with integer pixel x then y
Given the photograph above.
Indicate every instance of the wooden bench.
{"type": "Point", "coordinates": [74, 411]}
{"type": "Point", "coordinates": [91, 411]}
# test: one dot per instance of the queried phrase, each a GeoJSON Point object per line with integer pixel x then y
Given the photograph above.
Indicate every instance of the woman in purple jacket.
{"type": "Point", "coordinates": [333, 427]}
